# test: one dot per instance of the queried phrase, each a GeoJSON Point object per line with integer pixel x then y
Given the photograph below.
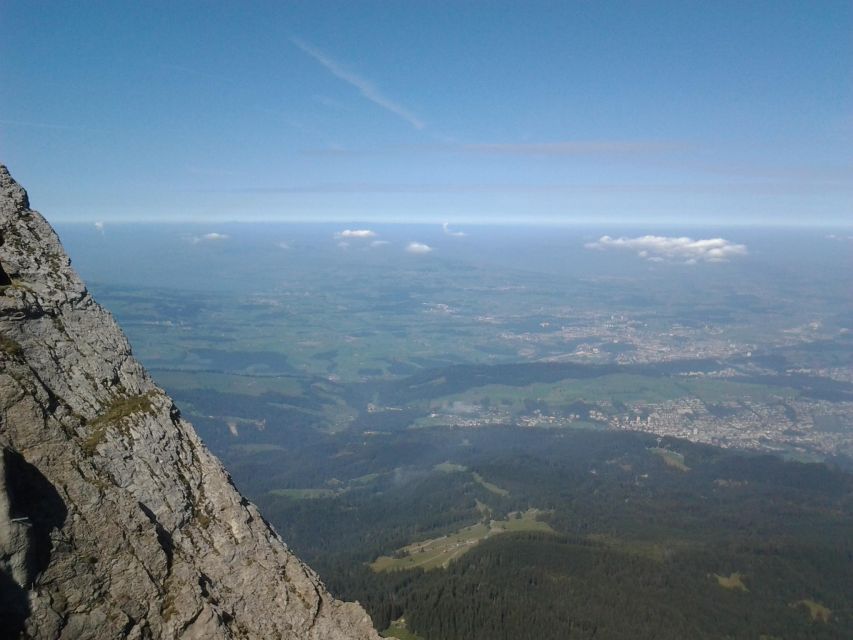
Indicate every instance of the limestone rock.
{"type": "Point", "coordinates": [115, 520]}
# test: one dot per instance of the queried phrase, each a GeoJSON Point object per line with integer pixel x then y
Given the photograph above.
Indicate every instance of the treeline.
{"type": "Point", "coordinates": [551, 587]}
{"type": "Point", "coordinates": [787, 527]}
{"type": "Point", "coordinates": [358, 526]}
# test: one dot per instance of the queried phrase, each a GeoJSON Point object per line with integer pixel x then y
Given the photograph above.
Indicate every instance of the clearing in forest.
{"type": "Point", "coordinates": [671, 458]}
{"type": "Point", "coordinates": [733, 581]}
{"type": "Point", "coordinates": [817, 611]}
{"type": "Point", "coordinates": [489, 486]}
{"type": "Point", "coordinates": [439, 552]}
{"type": "Point", "coordinates": [399, 630]}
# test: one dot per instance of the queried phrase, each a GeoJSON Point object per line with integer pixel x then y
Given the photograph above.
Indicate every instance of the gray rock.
{"type": "Point", "coordinates": [115, 520]}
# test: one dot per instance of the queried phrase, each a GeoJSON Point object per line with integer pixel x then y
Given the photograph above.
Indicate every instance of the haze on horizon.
{"type": "Point", "coordinates": [661, 113]}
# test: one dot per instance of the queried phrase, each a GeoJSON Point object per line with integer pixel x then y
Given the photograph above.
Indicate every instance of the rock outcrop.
{"type": "Point", "coordinates": [115, 520]}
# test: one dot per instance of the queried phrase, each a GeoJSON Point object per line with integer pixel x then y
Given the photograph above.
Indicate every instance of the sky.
{"type": "Point", "coordinates": [657, 113]}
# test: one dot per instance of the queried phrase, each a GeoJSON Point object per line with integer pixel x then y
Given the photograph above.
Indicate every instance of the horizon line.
{"type": "Point", "coordinates": [514, 222]}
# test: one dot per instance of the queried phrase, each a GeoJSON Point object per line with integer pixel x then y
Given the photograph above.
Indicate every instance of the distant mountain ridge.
{"type": "Point", "coordinates": [115, 520]}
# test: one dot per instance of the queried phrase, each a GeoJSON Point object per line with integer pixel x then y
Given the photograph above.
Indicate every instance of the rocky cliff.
{"type": "Point", "coordinates": [115, 520]}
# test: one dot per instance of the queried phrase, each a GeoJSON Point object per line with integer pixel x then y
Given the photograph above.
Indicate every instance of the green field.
{"type": "Point", "coordinates": [489, 485]}
{"type": "Point", "coordinates": [712, 390]}
{"type": "Point", "coordinates": [439, 552]}
{"type": "Point", "coordinates": [229, 382]}
{"type": "Point", "coordinates": [733, 582]}
{"type": "Point", "coordinates": [304, 494]}
{"type": "Point", "coordinates": [252, 449]}
{"type": "Point", "coordinates": [817, 611]}
{"type": "Point", "coordinates": [626, 388]}
{"type": "Point", "coordinates": [398, 630]}
{"type": "Point", "coordinates": [671, 458]}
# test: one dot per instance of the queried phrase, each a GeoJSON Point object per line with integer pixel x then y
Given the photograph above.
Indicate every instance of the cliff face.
{"type": "Point", "coordinates": [115, 520]}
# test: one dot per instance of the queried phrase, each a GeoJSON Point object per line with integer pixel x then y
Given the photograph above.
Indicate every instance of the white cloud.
{"type": "Point", "coordinates": [418, 248]}
{"type": "Point", "coordinates": [283, 245]}
{"type": "Point", "coordinates": [365, 87]}
{"type": "Point", "coordinates": [379, 243]}
{"type": "Point", "coordinates": [356, 233]}
{"type": "Point", "coordinates": [210, 237]}
{"type": "Point", "coordinates": [661, 248]}
{"type": "Point", "coordinates": [447, 231]}
{"type": "Point", "coordinates": [99, 226]}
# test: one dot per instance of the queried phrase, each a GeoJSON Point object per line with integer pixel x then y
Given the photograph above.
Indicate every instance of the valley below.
{"type": "Point", "coordinates": [473, 449]}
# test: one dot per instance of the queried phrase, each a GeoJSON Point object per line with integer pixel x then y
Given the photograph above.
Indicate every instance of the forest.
{"type": "Point", "coordinates": [737, 545]}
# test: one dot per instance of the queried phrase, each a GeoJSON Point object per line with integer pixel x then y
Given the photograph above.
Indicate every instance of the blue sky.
{"type": "Point", "coordinates": [540, 112]}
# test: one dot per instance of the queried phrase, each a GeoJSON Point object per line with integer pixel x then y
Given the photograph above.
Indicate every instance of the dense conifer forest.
{"type": "Point", "coordinates": [728, 545]}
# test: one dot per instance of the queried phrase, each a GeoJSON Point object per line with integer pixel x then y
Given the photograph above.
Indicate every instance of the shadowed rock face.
{"type": "Point", "coordinates": [4, 277]}
{"type": "Point", "coordinates": [115, 520]}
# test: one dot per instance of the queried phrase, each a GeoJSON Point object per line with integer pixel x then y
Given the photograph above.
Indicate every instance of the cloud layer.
{"type": "Point", "coordinates": [210, 237]}
{"type": "Point", "coordinates": [418, 248]}
{"type": "Point", "coordinates": [356, 233]}
{"type": "Point", "coordinates": [449, 232]}
{"type": "Point", "coordinates": [673, 249]}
